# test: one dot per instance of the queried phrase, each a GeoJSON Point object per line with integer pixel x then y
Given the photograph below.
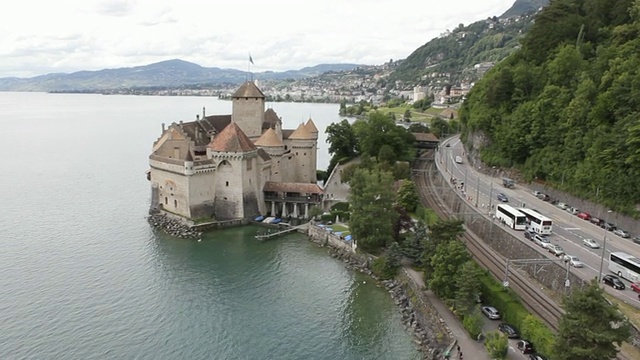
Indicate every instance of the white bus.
{"type": "Point", "coordinates": [510, 216]}
{"type": "Point", "coordinates": [625, 266]}
{"type": "Point", "coordinates": [537, 222]}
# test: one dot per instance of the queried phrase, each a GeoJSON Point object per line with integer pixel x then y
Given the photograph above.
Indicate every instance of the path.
{"type": "Point", "coordinates": [472, 349]}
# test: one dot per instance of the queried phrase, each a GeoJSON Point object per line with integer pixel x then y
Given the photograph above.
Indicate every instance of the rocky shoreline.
{"type": "Point", "coordinates": [173, 227]}
{"type": "Point", "coordinates": [421, 336]}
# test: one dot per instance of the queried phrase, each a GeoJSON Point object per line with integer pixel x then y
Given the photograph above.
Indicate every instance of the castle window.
{"type": "Point", "coordinates": [286, 147]}
{"type": "Point", "coordinates": [305, 154]}
{"type": "Point", "coordinates": [249, 164]}
{"type": "Point", "coordinates": [227, 183]}
{"type": "Point", "coordinates": [175, 203]}
{"type": "Point", "coordinates": [296, 153]}
{"type": "Point", "coordinates": [176, 152]}
{"type": "Point", "coordinates": [166, 201]}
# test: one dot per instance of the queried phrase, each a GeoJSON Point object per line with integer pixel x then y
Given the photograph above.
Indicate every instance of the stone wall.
{"type": "Point", "coordinates": [322, 237]}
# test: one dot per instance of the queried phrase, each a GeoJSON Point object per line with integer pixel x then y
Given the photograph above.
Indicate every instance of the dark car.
{"type": "Point", "coordinates": [536, 357]}
{"type": "Point", "coordinates": [525, 347]}
{"type": "Point", "coordinates": [528, 234]}
{"type": "Point", "coordinates": [502, 197]}
{"type": "Point", "coordinates": [509, 330]}
{"type": "Point", "coordinates": [608, 226]}
{"type": "Point", "coordinates": [543, 197]}
{"type": "Point", "coordinates": [636, 239]}
{"type": "Point", "coordinates": [613, 281]}
{"type": "Point", "coordinates": [596, 221]}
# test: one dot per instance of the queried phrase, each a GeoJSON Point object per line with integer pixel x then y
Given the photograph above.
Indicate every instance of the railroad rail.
{"type": "Point", "coordinates": [532, 298]}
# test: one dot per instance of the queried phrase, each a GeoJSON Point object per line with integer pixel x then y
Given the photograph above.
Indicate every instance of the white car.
{"type": "Point", "coordinates": [562, 206]}
{"type": "Point", "coordinates": [491, 312]}
{"type": "Point", "coordinates": [573, 261]}
{"type": "Point", "coordinates": [542, 241]}
{"type": "Point", "coordinates": [591, 243]}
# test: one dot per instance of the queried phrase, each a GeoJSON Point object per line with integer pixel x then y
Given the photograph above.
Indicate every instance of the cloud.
{"type": "Point", "coordinates": [117, 8]}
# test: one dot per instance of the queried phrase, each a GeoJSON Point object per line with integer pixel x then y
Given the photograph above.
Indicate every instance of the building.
{"type": "Point", "coordinates": [235, 166]}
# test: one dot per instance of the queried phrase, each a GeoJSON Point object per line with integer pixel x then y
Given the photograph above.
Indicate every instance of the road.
{"type": "Point", "coordinates": [568, 230]}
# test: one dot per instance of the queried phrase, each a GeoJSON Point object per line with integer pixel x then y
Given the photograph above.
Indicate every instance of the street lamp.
{"type": "Point", "coordinates": [604, 249]}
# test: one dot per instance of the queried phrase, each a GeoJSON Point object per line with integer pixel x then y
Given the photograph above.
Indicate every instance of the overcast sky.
{"type": "Point", "coordinates": [39, 37]}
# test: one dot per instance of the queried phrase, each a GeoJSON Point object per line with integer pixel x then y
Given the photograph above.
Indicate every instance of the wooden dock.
{"type": "Point", "coordinates": [268, 236]}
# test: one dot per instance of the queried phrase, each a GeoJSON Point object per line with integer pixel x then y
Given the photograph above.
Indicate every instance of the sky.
{"type": "Point", "coordinates": [40, 37]}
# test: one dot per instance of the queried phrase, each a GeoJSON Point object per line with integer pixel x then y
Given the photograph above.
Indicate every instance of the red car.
{"type": "Point", "coordinates": [584, 216]}
{"type": "Point", "coordinates": [635, 287]}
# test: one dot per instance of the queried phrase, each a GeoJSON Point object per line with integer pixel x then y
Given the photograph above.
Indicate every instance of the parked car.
{"type": "Point", "coordinates": [562, 205]}
{"type": "Point", "coordinates": [584, 215]}
{"type": "Point", "coordinates": [502, 197]}
{"type": "Point", "coordinates": [491, 312]}
{"type": "Point", "coordinates": [591, 243]}
{"type": "Point", "coordinates": [622, 233]}
{"type": "Point", "coordinates": [525, 347]}
{"type": "Point", "coordinates": [536, 193]}
{"type": "Point", "coordinates": [573, 261]}
{"type": "Point", "coordinates": [528, 234]}
{"type": "Point", "coordinates": [608, 226]}
{"type": "Point", "coordinates": [635, 287]}
{"type": "Point", "coordinates": [541, 240]}
{"type": "Point", "coordinates": [543, 197]}
{"type": "Point", "coordinates": [573, 211]}
{"type": "Point", "coordinates": [636, 239]}
{"type": "Point", "coordinates": [536, 357]}
{"type": "Point", "coordinates": [556, 250]}
{"type": "Point", "coordinates": [613, 281]}
{"type": "Point", "coordinates": [596, 221]}
{"type": "Point", "coordinates": [509, 330]}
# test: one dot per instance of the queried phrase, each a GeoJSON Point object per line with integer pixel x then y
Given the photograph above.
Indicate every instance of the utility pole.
{"type": "Point", "coordinates": [464, 187]}
{"type": "Point", "coordinates": [477, 190]}
{"type": "Point", "coordinates": [490, 195]}
{"type": "Point", "coordinates": [506, 274]}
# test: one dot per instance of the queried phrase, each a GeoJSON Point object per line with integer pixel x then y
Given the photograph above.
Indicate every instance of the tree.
{"type": "Point", "coordinates": [407, 114]}
{"type": "Point", "coordinates": [380, 130]}
{"type": "Point", "coordinates": [468, 287]}
{"type": "Point", "coordinates": [440, 232]}
{"type": "Point", "coordinates": [497, 345]}
{"type": "Point", "coordinates": [447, 262]}
{"type": "Point", "coordinates": [408, 196]}
{"type": "Point", "coordinates": [413, 245]}
{"type": "Point", "coordinates": [591, 328]}
{"type": "Point", "coordinates": [342, 140]}
{"type": "Point", "coordinates": [473, 323]}
{"type": "Point", "coordinates": [372, 214]}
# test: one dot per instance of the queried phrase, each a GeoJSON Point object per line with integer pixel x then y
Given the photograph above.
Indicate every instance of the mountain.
{"type": "Point", "coordinates": [521, 7]}
{"type": "Point", "coordinates": [458, 51]}
{"type": "Point", "coordinates": [564, 108]}
{"type": "Point", "coordinates": [170, 73]}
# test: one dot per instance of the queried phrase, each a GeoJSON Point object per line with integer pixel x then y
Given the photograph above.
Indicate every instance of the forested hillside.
{"type": "Point", "coordinates": [564, 108]}
{"type": "Point", "coordinates": [489, 40]}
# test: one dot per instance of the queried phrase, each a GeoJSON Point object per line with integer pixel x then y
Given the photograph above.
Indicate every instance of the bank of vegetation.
{"type": "Point", "coordinates": [564, 108]}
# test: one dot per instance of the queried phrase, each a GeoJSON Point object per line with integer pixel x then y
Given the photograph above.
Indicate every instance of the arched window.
{"type": "Point", "coordinates": [166, 201]}
{"type": "Point", "coordinates": [175, 203]}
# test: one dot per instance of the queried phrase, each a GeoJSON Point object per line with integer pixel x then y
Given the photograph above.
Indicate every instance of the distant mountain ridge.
{"type": "Point", "coordinates": [168, 73]}
{"type": "Point", "coordinates": [521, 7]}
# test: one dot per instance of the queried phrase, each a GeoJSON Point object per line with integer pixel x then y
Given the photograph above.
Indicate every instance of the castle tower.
{"type": "Point", "coordinates": [313, 130]}
{"type": "Point", "coordinates": [248, 109]}
{"type": "Point", "coordinates": [273, 145]}
{"type": "Point", "coordinates": [237, 189]}
{"type": "Point", "coordinates": [302, 146]}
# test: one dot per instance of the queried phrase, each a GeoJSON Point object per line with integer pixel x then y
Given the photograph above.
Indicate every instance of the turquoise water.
{"type": "Point", "coordinates": [83, 276]}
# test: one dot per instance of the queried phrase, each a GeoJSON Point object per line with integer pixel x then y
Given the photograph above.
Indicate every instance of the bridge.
{"type": "Point", "coordinates": [268, 236]}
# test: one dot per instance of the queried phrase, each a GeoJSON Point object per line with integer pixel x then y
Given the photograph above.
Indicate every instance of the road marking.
{"type": "Point", "coordinates": [569, 229]}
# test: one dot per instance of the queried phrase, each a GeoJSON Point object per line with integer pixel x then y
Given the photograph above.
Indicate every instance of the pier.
{"type": "Point", "coordinates": [268, 236]}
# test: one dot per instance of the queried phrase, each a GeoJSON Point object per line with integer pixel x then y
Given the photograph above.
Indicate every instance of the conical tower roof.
{"type": "Point", "coordinates": [301, 133]}
{"type": "Point", "coordinates": [269, 139]}
{"type": "Point", "coordinates": [248, 90]}
{"type": "Point", "coordinates": [231, 139]}
{"type": "Point", "coordinates": [311, 126]}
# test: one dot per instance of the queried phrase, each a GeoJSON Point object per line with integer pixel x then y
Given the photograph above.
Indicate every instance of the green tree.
{"type": "Point", "coordinates": [447, 262]}
{"type": "Point", "coordinates": [408, 196]}
{"type": "Point", "coordinates": [591, 328]}
{"type": "Point", "coordinates": [379, 130]}
{"type": "Point", "coordinates": [342, 139]}
{"type": "Point", "coordinates": [407, 114]}
{"type": "Point", "coordinates": [497, 345]}
{"type": "Point", "coordinates": [468, 287]}
{"type": "Point", "coordinates": [473, 323]}
{"type": "Point", "coordinates": [413, 245]}
{"type": "Point", "coordinates": [372, 214]}
{"type": "Point", "coordinates": [440, 232]}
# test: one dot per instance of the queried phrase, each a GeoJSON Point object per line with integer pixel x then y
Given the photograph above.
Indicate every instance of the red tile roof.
{"type": "Point", "coordinates": [301, 133]}
{"type": "Point", "coordinates": [301, 188]}
{"type": "Point", "coordinates": [231, 139]}
{"type": "Point", "coordinates": [425, 137]}
{"type": "Point", "coordinates": [248, 90]}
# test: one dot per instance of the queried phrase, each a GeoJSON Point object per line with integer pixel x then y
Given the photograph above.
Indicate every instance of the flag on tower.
{"type": "Point", "coordinates": [251, 59]}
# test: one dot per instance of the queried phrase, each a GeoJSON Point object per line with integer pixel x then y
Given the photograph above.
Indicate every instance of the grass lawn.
{"type": "Point", "coordinates": [338, 228]}
{"type": "Point", "coordinates": [399, 112]}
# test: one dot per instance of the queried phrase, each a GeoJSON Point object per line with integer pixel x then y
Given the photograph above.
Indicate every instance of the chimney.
{"type": "Point", "coordinates": [163, 127]}
{"type": "Point", "coordinates": [197, 117]}
{"type": "Point", "coordinates": [203, 116]}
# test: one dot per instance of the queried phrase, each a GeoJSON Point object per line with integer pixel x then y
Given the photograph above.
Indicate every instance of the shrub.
{"type": "Point", "coordinates": [383, 269]}
{"type": "Point", "coordinates": [341, 206]}
{"type": "Point", "coordinates": [497, 345]}
{"type": "Point", "coordinates": [473, 323]}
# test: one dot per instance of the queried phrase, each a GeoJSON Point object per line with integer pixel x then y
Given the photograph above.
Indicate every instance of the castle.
{"type": "Point", "coordinates": [236, 166]}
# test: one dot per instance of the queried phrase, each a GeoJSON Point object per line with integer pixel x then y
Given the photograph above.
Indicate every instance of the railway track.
{"type": "Point", "coordinates": [532, 298]}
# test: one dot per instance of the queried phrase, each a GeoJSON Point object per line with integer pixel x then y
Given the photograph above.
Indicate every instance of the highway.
{"type": "Point", "coordinates": [568, 230]}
